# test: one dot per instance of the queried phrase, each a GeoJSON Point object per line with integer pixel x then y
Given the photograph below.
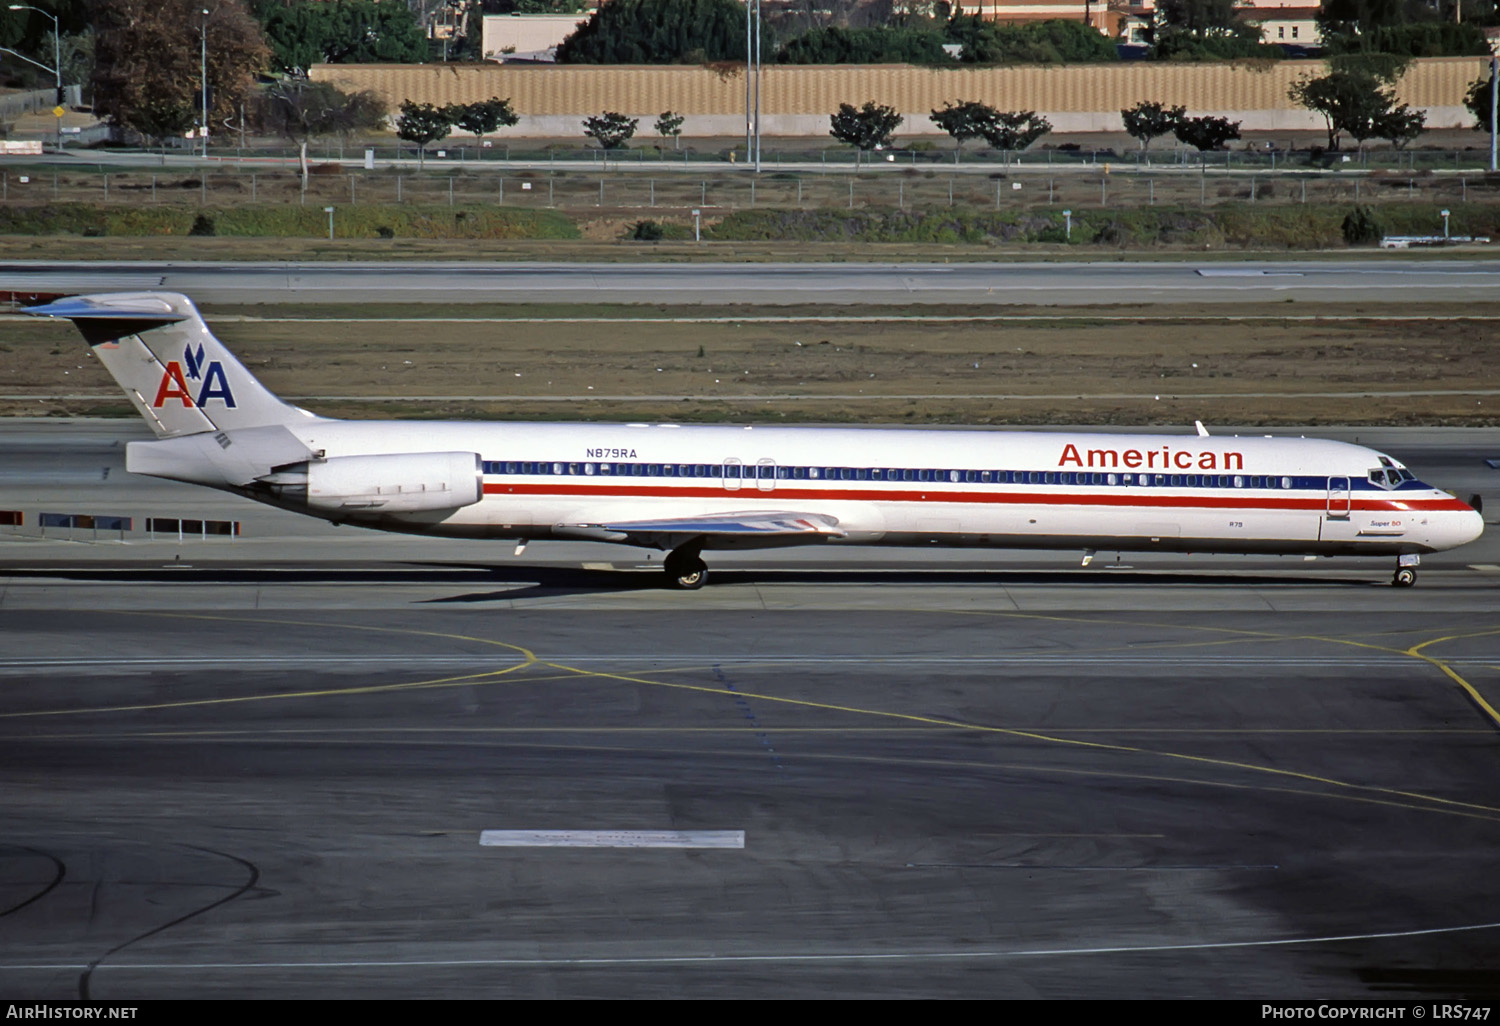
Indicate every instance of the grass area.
{"type": "Point", "coordinates": [1262, 226]}
{"type": "Point", "coordinates": [1075, 370]}
{"type": "Point", "coordinates": [368, 221]}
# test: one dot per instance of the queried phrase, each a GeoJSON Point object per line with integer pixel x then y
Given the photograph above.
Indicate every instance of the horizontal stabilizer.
{"type": "Point", "coordinates": [109, 317]}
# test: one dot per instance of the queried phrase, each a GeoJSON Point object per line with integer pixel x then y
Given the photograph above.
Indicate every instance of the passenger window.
{"type": "Point", "coordinates": [953, 476]}
{"type": "Point", "coordinates": [1114, 479]}
{"type": "Point", "coordinates": [812, 472]}
{"type": "Point", "coordinates": [1286, 482]}
{"type": "Point", "coordinates": [588, 469]}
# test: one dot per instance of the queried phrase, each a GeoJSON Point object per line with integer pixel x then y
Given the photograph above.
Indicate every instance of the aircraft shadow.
{"type": "Point", "coordinates": [487, 583]}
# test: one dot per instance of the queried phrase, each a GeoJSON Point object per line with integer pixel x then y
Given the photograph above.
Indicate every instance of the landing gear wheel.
{"type": "Point", "coordinates": [1405, 578]}
{"type": "Point", "coordinates": [687, 573]}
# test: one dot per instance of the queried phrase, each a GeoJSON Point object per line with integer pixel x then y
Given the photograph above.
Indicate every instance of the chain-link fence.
{"type": "Point", "coordinates": [579, 190]}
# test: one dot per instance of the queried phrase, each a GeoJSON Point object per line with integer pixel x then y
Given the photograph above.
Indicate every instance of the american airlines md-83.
{"type": "Point", "coordinates": [686, 489]}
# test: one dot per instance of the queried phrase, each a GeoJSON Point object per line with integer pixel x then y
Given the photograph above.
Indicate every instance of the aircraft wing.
{"type": "Point", "coordinates": [749, 529]}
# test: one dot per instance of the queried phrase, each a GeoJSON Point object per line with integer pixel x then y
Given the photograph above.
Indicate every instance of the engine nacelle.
{"type": "Point", "coordinates": [399, 483]}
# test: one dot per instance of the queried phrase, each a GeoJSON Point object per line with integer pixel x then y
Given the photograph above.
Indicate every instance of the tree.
{"type": "Point", "coordinates": [1017, 129]}
{"type": "Point", "coordinates": [1202, 19]}
{"type": "Point", "coordinates": [1206, 133]}
{"type": "Point", "coordinates": [669, 126]}
{"type": "Point", "coordinates": [1054, 41]}
{"type": "Point", "coordinates": [658, 32]}
{"type": "Point", "coordinates": [1199, 30]}
{"type": "Point", "coordinates": [160, 119]}
{"type": "Point", "coordinates": [1349, 18]}
{"type": "Point", "coordinates": [1350, 101]}
{"type": "Point", "coordinates": [1400, 125]}
{"type": "Point", "coordinates": [342, 32]}
{"type": "Point", "coordinates": [1477, 99]}
{"type": "Point", "coordinates": [147, 60]}
{"type": "Point", "coordinates": [966, 119]}
{"type": "Point", "coordinates": [483, 116]}
{"type": "Point", "coordinates": [422, 123]}
{"type": "Point", "coordinates": [610, 129]}
{"type": "Point", "coordinates": [867, 128]}
{"type": "Point", "coordinates": [880, 44]}
{"type": "Point", "coordinates": [301, 111]}
{"type": "Point", "coordinates": [1149, 119]}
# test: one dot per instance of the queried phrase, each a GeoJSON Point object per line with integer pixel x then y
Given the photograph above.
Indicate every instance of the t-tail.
{"type": "Point", "coordinates": [177, 375]}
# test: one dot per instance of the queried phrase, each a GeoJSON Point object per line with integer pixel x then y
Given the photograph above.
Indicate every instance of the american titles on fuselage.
{"type": "Point", "coordinates": [1165, 458]}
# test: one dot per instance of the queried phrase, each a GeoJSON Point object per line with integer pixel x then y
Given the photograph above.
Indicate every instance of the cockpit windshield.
{"type": "Point", "coordinates": [1392, 477]}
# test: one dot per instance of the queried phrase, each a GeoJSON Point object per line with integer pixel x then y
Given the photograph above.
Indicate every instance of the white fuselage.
{"type": "Point", "coordinates": [928, 486]}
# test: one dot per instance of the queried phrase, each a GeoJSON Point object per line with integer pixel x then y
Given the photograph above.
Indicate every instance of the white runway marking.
{"type": "Point", "coordinates": [612, 838]}
{"type": "Point", "coordinates": [847, 956]}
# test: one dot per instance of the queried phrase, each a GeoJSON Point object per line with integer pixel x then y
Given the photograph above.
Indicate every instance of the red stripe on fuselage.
{"type": "Point", "coordinates": [1130, 497]}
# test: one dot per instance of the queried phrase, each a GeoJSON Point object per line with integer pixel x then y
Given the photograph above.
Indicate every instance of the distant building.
{"type": "Point", "coordinates": [1088, 12]}
{"type": "Point", "coordinates": [1285, 24]}
{"type": "Point", "coordinates": [527, 37]}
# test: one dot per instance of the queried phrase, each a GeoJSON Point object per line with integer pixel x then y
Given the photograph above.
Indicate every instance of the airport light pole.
{"type": "Point", "coordinates": [1494, 105]}
{"type": "Point", "coordinates": [752, 83]}
{"type": "Point", "coordinates": [203, 78]}
{"type": "Point", "coordinates": [56, 69]}
{"type": "Point", "coordinates": [1444, 212]}
{"type": "Point", "coordinates": [329, 212]}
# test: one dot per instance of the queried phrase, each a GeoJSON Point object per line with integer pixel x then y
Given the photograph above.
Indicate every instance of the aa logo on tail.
{"type": "Point", "coordinates": [213, 382]}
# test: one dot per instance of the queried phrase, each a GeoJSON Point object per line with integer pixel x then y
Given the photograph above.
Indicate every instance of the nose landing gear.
{"type": "Point", "coordinates": [685, 569]}
{"type": "Point", "coordinates": [1406, 571]}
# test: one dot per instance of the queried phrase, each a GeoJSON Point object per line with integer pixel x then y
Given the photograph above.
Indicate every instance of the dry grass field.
{"type": "Point", "coordinates": [1122, 366]}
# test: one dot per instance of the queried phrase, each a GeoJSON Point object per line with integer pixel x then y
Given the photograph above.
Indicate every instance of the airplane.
{"type": "Point", "coordinates": [687, 489]}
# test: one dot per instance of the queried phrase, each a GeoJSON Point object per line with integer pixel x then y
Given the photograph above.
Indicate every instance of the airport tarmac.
{"type": "Point", "coordinates": [1362, 281]}
{"type": "Point", "coordinates": [264, 768]}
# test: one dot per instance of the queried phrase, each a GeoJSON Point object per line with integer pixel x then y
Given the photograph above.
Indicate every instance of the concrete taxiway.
{"type": "Point", "coordinates": [1347, 281]}
{"type": "Point", "coordinates": [264, 768]}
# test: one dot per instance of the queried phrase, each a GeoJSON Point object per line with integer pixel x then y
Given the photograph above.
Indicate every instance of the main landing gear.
{"type": "Point", "coordinates": [686, 569]}
{"type": "Point", "coordinates": [1406, 572]}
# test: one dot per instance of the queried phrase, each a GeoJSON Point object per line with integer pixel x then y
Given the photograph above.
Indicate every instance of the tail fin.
{"type": "Point", "coordinates": [177, 375]}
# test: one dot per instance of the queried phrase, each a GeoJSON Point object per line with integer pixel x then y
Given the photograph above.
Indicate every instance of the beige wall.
{"type": "Point", "coordinates": [798, 100]}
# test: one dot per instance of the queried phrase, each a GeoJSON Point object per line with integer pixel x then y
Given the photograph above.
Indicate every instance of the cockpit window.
{"type": "Point", "coordinates": [1391, 478]}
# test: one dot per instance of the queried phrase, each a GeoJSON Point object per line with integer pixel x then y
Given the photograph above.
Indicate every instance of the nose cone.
{"type": "Point", "coordinates": [1462, 528]}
